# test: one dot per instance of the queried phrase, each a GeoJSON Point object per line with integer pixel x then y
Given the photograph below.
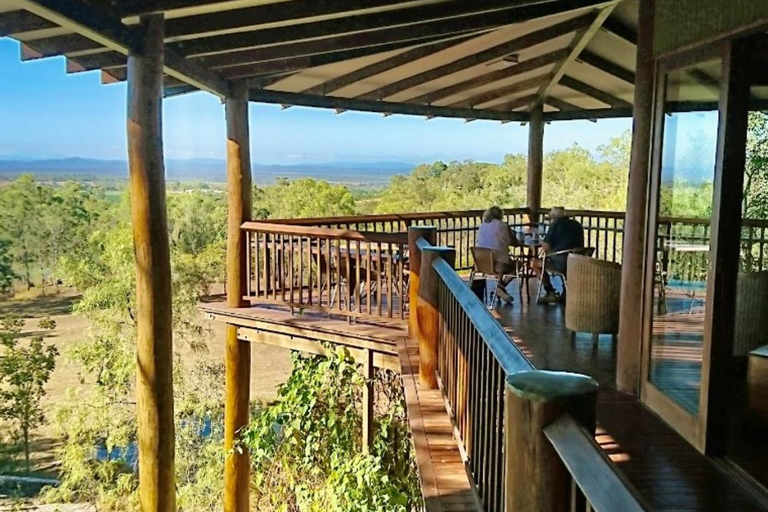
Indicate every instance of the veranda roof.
{"type": "Point", "coordinates": [491, 59]}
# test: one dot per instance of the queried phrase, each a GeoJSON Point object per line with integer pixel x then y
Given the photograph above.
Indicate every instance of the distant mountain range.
{"type": "Point", "coordinates": [209, 170]}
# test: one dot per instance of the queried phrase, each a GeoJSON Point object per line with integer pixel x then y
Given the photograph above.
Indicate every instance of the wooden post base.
{"type": "Point", "coordinates": [536, 479]}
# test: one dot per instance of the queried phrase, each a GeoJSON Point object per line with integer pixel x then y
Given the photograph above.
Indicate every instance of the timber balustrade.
{"type": "Point", "coordinates": [515, 425]}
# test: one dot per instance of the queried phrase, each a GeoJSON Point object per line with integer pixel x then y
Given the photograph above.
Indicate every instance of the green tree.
{"type": "Point", "coordinates": [20, 223]}
{"type": "Point", "coordinates": [24, 371]}
{"type": "Point", "coordinates": [305, 197]}
{"type": "Point", "coordinates": [7, 275]}
{"type": "Point", "coordinates": [756, 168]}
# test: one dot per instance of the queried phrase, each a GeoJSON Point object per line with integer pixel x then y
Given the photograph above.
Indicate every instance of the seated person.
{"type": "Point", "coordinates": [496, 234]}
{"type": "Point", "coordinates": [564, 233]}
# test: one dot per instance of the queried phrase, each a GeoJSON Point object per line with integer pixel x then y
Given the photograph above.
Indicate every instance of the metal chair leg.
{"type": "Point", "coordinates": [595, 339]}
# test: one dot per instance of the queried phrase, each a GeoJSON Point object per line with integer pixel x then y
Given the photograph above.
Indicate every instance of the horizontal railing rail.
{"type": "Point", "coordinates": [592, 472]}
{"type": "Point", "coordinates": [351, 273]}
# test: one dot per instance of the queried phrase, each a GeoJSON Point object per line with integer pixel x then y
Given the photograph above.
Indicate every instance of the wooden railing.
{"type": "Point", "coordinates": [593, 474]}
{"type": "Point", "coordinates": [475, 360]}
{"type": "Point", "coordinates": [353, 273]}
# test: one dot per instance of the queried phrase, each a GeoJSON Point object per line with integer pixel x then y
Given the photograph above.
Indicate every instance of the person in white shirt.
{"type": "Point", "coordinates": [496, 234]}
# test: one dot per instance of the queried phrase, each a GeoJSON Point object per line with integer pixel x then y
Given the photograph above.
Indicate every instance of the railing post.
{"type": "Point", "coordinates": [414, 256]}
{"type": "Point", "coordinates": [428, 313]}
{"type": "Point", "coordinates": [536, 478]}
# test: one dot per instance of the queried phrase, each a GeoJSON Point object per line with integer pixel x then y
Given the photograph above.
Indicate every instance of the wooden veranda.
{"type": "Point", "coordinates": [531, 61]}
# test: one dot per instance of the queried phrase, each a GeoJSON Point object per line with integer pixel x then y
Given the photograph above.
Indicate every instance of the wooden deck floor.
{"type": "Point", "coordinates": [669, 473]}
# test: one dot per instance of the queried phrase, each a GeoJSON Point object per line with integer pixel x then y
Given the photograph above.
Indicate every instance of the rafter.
{"type": "Point", "coordinates": [495, 76]}
{"type": "Point", "coordinates": [524, 101]}
{"type": "Point", "coordinates": [501, 92]}
{"type": "Point", "coordinates": [376, 68]}
{"type": "Point", "coordinates": [95, 61]}
{"type": "Point", "coordinates": [17, 22]}
{"type": "Point", "coordinates": [613, 26]}
{"type": "Point", "coordinates": [581, 42]}
{"type": "Point", "coordinates": [99, 26]}
{"type": "Point", "coordinates": [498, 51]}
{"type": "Point", "coordinates": [606, 66]}
{"type": "Point", "coordinates": [279, 23]}
{"type": "Point", "coordinates": [591, 114]}
{"type": "Point", "coordinates": [385, 107]}
{"type": "Point", "coordinates": [595, 93]}
{"type": "Point", "coordinates": [561, 105]}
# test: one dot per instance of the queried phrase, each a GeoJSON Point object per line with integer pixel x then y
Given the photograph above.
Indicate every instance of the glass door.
{"type": "Point", "coordinates": [679, 259]}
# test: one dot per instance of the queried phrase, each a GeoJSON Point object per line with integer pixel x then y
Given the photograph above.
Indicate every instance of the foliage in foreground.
{"type": "Point", "coordinates": [25, 368]}
{"type": "Point", "coordinates": [306, 448]}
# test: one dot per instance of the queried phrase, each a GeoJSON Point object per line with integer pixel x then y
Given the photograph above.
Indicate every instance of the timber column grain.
{"type": "Point", "coordinates": [154, 380]}
{"type": "Point", "coordinates": [238, 352]}
{"type": "Point", "coordinates": [428, 312]}
{"type": "Point", "coordinates": [429, 233]}
{"type": "Point", "coordinates": [535, 161]}
{"type": "Point", "coordinates": [536, 478]}
{"type": "Point", "coordinates": [628, 349]}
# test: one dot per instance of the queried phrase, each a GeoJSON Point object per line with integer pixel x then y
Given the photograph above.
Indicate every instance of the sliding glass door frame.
{"type": "Point", "coordinates": [706, 430]}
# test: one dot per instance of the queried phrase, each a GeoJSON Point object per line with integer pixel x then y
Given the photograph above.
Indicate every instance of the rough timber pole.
{"type": "Point", "coordinates": [154, 382]}
{"type": "Point", "coordinates": [238, 353]}
{"type": "Point", "coordinates": [535, 161]}
{"type": "Point", "coordinates": [628, 352]}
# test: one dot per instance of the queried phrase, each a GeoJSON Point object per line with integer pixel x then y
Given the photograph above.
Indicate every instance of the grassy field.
{"type": "Point", "coordinates": [270, 365]}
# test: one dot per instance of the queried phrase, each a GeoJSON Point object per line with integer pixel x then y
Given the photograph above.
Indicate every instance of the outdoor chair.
{"type": "Point", "coordinates": [582, 251]}
{"type": "Point", "coordinates": [593, 296]}
{"type": "Point", "coordinates": [485, 261]}
{"type": "Point", "coordinates": [751, 326]}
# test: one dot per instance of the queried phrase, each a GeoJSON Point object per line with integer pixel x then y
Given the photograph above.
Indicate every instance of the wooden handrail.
{"type": "Point", "coordinates": [603, 485]}
{"type": "Point", "coordinates": [390, 217]}
{"type": "Point", "coordinates": [511, 359]}
{"type": "Point", "coordinates": [326, 233]}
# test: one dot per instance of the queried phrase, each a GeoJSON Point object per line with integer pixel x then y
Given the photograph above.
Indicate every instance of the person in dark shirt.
{"type": "Point", "coordinates": [564, 233]}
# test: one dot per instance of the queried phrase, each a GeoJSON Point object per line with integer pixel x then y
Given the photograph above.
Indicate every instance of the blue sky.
{"type": "Point", "coordinates": [45, 113]}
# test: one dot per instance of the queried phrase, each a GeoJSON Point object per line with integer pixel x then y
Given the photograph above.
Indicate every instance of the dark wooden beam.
{"type": "Point", "coordinates": [607, 66]}
{"type": "Point", "coordinates": [516, 103]}
{"type": "Point", "coordinates": [16, 22]}
{"type": "Point", "coordinates": [177, 90]}
{"type": "Point", "coordinates": [535, 161]}
{"type": "Point", "coordinates": [560, 104]}
{"type": "Point", "coordinates": [311, 19]}
{"type": "Point", "coordinates": [502, 92]}
{"type": "Point", "coordinates": [53, 46]}
{"type": "Point", "coordinates": [105, 30]}
{"type": "Point", "coordinates": [588, 114]}
{"type": "Point", "coordinates": [594, 92]}
{"type": "Point", "coordinates": [496, 52]}
{"type": "Point", "coordinates": [95, 61]}
{"type": "Point", "coordinates": [149, 221]}
{"type": "Point", "coordinates": [624, 32]}
{"type": "Point", "coordinates": [385, 65]}
{"type": "Point", "coordinates": [495, 76]}
{"type": "Point", "coordinates": [330, 102]}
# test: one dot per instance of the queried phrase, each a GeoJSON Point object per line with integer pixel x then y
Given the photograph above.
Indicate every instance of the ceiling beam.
{"type": "Point", "coordinates": [496, 52]}
{"type": "Point", "coordinates": [376, 68]}
{"type": "Point", "coordinates": [589, 114]}
{"type": "Point", "coordinates": [607, 66]}
{"type": "Point", "coordinates": [95, 61]}
{"type": "Point", "coordinates": [595, 93]}
{"type": "Point", "coordinates": [17, 22]}
{"type": "Point", "coordinates": [421, 21]}
{"type": "Point", "coordinates": [523, 101]}
{"type": "Point", "coordinates": [581, 41]}
{"type": "Point", "coordinates": [620, 30]}
{"type": "Point", "coordinates": [501, 92]}
{"type": "Point", "coordinates": [560, 104]}
{"type": "Point", "coordinates": [296, 20]}
{"type": "Point", "coordinates": [495, 76]}
{"type": "Point", "coordinates": [385, 107]}
{"type": "Point", "coordinates": [101, 27]}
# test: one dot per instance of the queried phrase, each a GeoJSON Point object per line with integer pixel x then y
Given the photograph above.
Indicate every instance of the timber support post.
{"type": "Point", "coordinates": [536, 478]}
{"type": "Point", "coordinates": [628, 349]}
{"type": "Point", "coordinates": [429, 233]}
{"type": "Point", "coordinates": [535, 162]}
{"type": "Point", "coordinates": [238, 352]}
{"type": "Point", "coordinates": [368, 403]}
{"type": "Point", "coordinates": [428, 312]}
{"type": "Point", "coordinates": [154, 347]}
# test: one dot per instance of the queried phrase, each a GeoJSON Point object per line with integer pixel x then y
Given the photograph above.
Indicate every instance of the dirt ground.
{"type": "Point", "coordinates": [270, 365]}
